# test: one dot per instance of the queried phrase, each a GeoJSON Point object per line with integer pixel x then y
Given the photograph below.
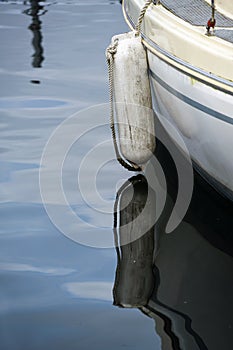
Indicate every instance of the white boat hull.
{"type": "Point", "coordinates": [192, 83]}
{"type": "Point", "coordinates": [200, 113]}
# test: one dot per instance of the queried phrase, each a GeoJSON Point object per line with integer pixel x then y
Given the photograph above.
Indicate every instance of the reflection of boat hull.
{"type": "Point", "coordinates": [194, 292]}
{"type": "Point", "coordinates": [198, 103]}
{"type": "Point", "coordinates": [180, 280]}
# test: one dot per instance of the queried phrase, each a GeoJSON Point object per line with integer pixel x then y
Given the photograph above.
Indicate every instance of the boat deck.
{"type": "Point", "coordinates": [197, 13]}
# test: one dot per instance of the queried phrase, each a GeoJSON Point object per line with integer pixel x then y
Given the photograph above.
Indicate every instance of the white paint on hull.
{"type": "Point", "coordinates": [202, 115]}
{"type": "Point", "coordinates": [224, 6]}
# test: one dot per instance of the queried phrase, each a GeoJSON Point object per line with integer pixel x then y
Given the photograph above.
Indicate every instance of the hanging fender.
{"type": "Point", "coordinates": [132, 102]}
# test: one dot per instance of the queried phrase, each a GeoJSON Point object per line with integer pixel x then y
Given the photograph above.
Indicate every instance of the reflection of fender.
{"type": "Point", "coordinates": [137, 278]}
{"type": "Point", "coordinates": [134, 278]}
{"type": "Point", "coordinates": [191, 279]}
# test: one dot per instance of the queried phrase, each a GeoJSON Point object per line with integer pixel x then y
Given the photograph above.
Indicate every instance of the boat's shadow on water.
{"type": "Point", "coordinates": [183, 280]}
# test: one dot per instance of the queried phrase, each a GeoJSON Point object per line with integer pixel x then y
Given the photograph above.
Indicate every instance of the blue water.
{"type": "Point", "coordinates": [57, 273]}
{"type": "Point", "coordinates": [55, 293]}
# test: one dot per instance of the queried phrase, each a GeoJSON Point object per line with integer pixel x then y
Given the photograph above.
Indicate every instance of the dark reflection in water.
{"type": "Point", "coordinates": [134, 278]}
{"type": "Point", "coordinates": [112, 2]}
{"type": "Point", "coordinates": [182, 280]}
{"type": "Point", "coordinates": [36, 11]}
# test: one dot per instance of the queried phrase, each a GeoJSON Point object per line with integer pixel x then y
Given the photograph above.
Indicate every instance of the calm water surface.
{"type": "Point", "coordinates": [55, 292]}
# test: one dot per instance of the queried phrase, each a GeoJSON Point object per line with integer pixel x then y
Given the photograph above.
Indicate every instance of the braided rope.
{"type": "Point", "coordinates": [212, 21]}
{"type": "Point", "coordinates": [141, 16]}
{"type": "Point", "coordinates": [213, 9]}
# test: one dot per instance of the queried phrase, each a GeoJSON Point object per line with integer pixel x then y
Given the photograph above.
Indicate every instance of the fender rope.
{"type": "Point", "coordinates": [141, 16]}
{"type": "Point", "coordinates": [212, 21]}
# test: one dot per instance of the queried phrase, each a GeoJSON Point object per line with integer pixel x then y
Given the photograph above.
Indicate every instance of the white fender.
{"type": "Point", "coordinates": [132, 96]}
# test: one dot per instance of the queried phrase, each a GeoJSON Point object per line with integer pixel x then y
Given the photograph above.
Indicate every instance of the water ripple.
{"type": "Point", "coordinates": [30, 103]}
